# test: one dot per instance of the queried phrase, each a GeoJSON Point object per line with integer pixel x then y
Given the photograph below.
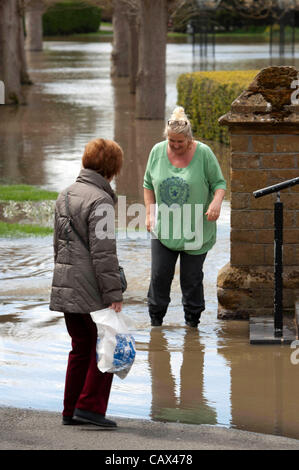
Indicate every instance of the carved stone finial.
{"type": "Point", "coordinates": [267, 100]}
{"type": "Point", "coordinates": [275, 85]}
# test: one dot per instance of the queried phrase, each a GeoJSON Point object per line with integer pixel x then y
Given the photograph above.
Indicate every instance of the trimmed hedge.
{"type": "Point", "coordinates": [206, 96]}
{"type": "Point", "coordinates": [70, 18]}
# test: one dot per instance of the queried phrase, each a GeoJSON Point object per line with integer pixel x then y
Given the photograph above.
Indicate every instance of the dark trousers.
{"type": "Point", "coordinates": [86, 387]}
{"type": "Point", "coordinates": [191, 280]}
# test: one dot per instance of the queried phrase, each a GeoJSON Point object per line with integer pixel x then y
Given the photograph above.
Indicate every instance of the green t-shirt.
{"type": "Point", "coordinates": [183, 196]}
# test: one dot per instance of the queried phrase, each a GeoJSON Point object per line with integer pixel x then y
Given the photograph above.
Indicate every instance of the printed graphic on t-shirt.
{"type": "Point", "coordinates": [174, 190]}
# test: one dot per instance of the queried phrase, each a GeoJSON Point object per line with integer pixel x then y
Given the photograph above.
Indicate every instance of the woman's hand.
{"type": "Point", "coordinates": [150, 222]}
{"type": "Point", "coordinates": [116, 306]}
{"type": "Point", "coordinates": [149, 201]}
{"type": "Point", "coordinates": [214, 209]}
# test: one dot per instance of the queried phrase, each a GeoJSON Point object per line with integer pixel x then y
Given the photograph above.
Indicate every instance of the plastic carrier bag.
{"type": "Point", "coordinates": [115, 344]}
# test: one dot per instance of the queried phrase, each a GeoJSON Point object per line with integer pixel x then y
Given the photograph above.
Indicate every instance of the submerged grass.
{"type": "Point", "coordinates": [24, 192]}
{"type": "Point", "coordinates": [19, 193]}
{"type": "Point", "coordinates": [14, 230]}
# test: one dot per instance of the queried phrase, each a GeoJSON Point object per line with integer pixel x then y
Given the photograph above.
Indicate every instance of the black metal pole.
{"type": "Point", "coordinates": [278, 249]}
{"type": "Point", "coordinates": [193, 39]}
{"type": "Point", "coordinates": [293, 35]}
{"type": "Point", "coordinates": [214, 48]}
{"type": "Point", "coordinates": [276, 187]}
{"type": "Point", "coordinates": [270, 40]}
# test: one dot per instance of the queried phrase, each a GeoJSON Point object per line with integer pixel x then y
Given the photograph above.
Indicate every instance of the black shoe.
{"type": "Point", "coordinates": [85, 416]}
{"type": "Point", "coordinates": [192, 319]}
{"type": "Point", "coordinates": [192, 324]}
{"type": "Point", "coordinates": [156, 322]}
{"type": "Point", "coordinates": [69, 421]}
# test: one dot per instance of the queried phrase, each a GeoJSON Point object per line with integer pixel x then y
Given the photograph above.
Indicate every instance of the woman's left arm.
{"type": "Point", "coordinates": [103, 252]}
{"type": "Point", "coordinates": [217, 185]}
{"type": "Point", "coordinates": [214, 209]}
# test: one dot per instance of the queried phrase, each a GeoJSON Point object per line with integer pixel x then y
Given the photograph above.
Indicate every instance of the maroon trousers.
{"type": "Point", "coordinates": [86, 387]}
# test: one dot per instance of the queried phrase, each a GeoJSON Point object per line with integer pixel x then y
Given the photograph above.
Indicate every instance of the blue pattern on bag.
{"type": "Point", "coordinates": [124, 353]}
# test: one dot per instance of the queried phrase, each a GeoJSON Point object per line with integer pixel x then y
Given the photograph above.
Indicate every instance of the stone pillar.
{"type": "Point", "coordinates": [264, 133]}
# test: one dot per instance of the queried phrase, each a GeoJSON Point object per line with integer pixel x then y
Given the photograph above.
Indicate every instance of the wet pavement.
{"type": "Point", "coordinates": [35, 430]}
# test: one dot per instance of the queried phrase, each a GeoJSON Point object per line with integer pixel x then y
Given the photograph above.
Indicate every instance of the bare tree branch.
{"type": "Point", "coordinates": [261, 9]}
{"type": "Point", "coordinates": [185, 10]}
{"type": "Point", "coordinates": [45, 4]}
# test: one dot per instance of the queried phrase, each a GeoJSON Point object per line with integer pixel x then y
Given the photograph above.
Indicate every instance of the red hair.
{"type": "Point", "coordinates": [104, 156]}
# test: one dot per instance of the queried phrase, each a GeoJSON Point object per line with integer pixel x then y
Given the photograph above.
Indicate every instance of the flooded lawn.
{"type": "Point", "coordinates": [211, 375]}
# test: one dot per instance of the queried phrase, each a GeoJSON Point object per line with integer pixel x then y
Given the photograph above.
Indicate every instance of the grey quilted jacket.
{"type": "Point", "coordinates": [86, 276]}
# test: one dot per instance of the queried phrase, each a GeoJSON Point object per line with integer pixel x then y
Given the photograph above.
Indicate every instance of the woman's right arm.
{"type": "Point", "coordinates": [149, 201]}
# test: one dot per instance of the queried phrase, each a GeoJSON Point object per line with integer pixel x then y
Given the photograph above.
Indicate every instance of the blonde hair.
{"type": "Point", "coordinates": [178, 123]}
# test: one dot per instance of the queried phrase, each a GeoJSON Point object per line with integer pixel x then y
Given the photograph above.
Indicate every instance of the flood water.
{"type": "Point", "coordinates": [211, 375]}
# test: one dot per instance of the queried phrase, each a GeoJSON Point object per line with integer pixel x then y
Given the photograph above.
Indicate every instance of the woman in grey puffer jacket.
{"type": "Point", "coordinates": [86, 277]}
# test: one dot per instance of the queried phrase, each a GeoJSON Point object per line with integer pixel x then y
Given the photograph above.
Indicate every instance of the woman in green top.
{"type": "Point", "coordinates": [183, 192]}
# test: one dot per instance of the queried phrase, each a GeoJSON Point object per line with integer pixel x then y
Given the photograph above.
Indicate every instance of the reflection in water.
{"type": "Point", "coordinates": [264, 384]}
{"type": "Point", "coordinates": [73, 100]}
{"type": "Point", "coordinates": [211, 375]}
{"type": "Point", "coordinates": [191, 406]}
{"type": "Point", "coordinates": [136, 138]}
{"type": "Point", "coordinates": [208, 376]}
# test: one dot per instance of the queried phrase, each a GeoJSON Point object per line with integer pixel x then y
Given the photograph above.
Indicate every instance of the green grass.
{"type": "Point", "coordinates": [173, 34]}
{"type": "Point", "coordinates": [23, 192]}
{"type": "Point", "coordinates": [251, 31]}
{"type": "Point", "coordinates": [107, 24]}
{"type": "Point", "coordinates": [257, 31]}
{"type": "Point", "coordinates": [254, 31]}
{"type": "Point", "coordinates": [25, 230]}
{"type": "Point", "coordinates": [95, 35]}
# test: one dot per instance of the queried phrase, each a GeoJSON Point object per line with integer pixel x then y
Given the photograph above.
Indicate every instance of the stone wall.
{"type": "Point", "coordinates": [264, 134]}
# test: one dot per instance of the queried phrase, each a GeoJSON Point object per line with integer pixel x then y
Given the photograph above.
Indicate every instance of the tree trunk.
{"type": "Point", "coordinates": [25, 79]}
{"type": "Point", "coordinates": [133, 52]}
{"type": "Point", "coordinates": [120, 51]}
{"type": "Point", "coordinates": [34, 26]}
{"type": "Point", "coordinates": [10, 61]}
{"type": "Point", "coordinates": [150, 91]}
